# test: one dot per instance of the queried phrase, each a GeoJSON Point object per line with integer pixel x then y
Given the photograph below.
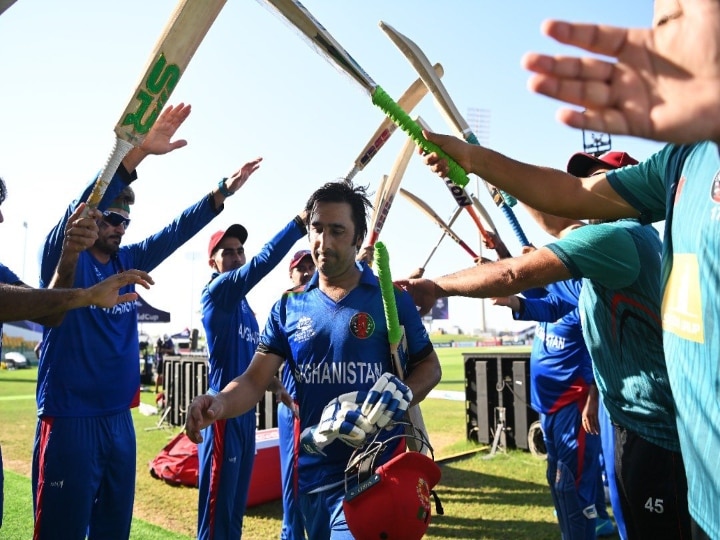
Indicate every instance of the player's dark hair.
{"type": "Point", "coordinates": [343, 192]}
{"type": "Point", "coordinates": [3, 191]}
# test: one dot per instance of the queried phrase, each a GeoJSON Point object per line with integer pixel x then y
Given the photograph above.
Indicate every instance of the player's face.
{"type": "Point", "coordinates": [332, 238]}
{"type": "Point", "coordinates": [229, 255]}
{"type": "Point", "coordinates": [111, 229]}
{"type": "Point", "coordinates": [302, 273]}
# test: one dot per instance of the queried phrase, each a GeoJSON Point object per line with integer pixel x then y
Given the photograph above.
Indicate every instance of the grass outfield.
{"type": "Point", "coordinates": [504, 497]}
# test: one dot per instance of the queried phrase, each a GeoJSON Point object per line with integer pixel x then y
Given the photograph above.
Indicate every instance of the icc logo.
{"type": "Point", "coordinates": [159, 84]}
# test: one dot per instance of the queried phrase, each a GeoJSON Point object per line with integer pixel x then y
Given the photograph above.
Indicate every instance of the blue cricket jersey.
{"type": "Point", "coordinates": [230, 325]}
{"type": "Point", "coordinates": [89, 364]}
{"type": "Point", "coordinates": [334, 348]}
{"type": "Point", "coordinates": [8, 277]}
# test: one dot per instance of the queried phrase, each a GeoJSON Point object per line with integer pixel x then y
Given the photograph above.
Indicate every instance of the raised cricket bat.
{"type": "Point", "coordinates": [389, 190]}
{"type": "Point", "coordinates": [422, 65]}
{"type": "Point", "coordinates": [429, 212]}
{"type": "Point", "coordinates": [463, 200]}
{"type": "Point", "coordinates": [396, 337]}
{"type": "Point", "coordinates": [407, 102]}
{"type": "Point", "coordinates": [294, 13]}
{"type": "Point", "coordinates": [180, 38]}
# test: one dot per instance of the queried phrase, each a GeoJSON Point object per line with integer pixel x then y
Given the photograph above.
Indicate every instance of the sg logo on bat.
{"type": "Point", "coordinates": [160, 83]}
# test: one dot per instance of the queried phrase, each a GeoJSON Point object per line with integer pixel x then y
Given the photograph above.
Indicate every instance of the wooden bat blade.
{"type": "Point", "coordinates": [484, 215]}
{"type": "Point", "coordinates": [419, 61]}
{"type": "Point", "coordinates": [429, 212]}
{"type": "Point", "coordinates": [183, 33]}
{"type": "Point", "coordinates": [315, 35]}
{"type": "Point", "coordinates": [179, 40]}
{"type": "Point", "coordinates": [378, 201]}
{"type": "Point", "coordinates": [390, 188]}
{"type": "Point", "coordinates": [412, 96]}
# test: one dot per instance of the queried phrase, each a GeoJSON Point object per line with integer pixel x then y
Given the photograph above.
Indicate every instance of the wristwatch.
{"type": "Point", "coordinates": [222, 188]}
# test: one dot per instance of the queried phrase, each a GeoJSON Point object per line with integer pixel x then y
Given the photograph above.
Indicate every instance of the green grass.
{"type": "Point", "coordinates": [504, 497]}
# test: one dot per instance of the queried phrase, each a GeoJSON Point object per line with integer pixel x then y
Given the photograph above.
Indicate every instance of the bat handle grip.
{"type": "Point", "coordinates": [514, 224]}
{"type": "Point", "coordinates": [120, 150]}
{"type": "Point", "coordinates": [380, 98]}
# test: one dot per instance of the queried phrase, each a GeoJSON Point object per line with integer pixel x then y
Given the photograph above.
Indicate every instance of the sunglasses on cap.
{"type": "Point", "coordinates": [115, 219]}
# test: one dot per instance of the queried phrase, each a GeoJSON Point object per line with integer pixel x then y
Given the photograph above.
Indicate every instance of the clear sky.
{"type": "Point", "coordinates": [67, 70]}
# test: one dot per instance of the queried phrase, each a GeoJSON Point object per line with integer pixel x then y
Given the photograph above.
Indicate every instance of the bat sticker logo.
{"type": "Point", "coordinates": [362, 325]}
{"type": "Point", "coordinates": [160, 83]}
{"type": "Point", "coordinates": [458, 193]}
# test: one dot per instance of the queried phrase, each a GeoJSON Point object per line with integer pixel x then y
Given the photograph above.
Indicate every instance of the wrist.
{"type": "Point", "coordinates": [222, 188]}
{"type": "Point", "coordinates": [300, 223]}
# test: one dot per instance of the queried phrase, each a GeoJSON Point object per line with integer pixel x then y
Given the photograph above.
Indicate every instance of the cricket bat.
{"type": "Point", "coordinates": [389, 190]}
{"type": "Point", "coordinates": [420, 62]}
{"type": "Point", "coordinates": [429, 212]}
{"type": "Point", "coordinates": [450, 222]}
{"type": "Point", "coordinates": [294, 13]}
{"type": "Point", "coordinates": [407, 102]}
{"type": "Point", "coordinates": [174, 49]}
{"type": "Point", "coordinates": [396, 337]}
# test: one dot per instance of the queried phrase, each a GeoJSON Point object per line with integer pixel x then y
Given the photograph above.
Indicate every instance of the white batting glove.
{"type": "Point", "coordinates": [386, 401]}
{"type": "Point", "coordinates": [341, 419]}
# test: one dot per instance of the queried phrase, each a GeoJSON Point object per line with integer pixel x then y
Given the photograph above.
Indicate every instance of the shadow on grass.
{"type": "Point", "coordinates": [476, 505]}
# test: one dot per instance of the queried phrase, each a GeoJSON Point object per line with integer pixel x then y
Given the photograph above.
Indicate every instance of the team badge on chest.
{"type": "Point", "coordinates": [362, 325]}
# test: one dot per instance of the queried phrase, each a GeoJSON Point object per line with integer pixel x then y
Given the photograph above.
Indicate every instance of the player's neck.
{"type": "Point", "coordinates": [338, 287]}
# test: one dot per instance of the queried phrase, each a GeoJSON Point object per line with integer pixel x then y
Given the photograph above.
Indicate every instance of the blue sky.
{"type": "Point", "coordinates": [67, 70]}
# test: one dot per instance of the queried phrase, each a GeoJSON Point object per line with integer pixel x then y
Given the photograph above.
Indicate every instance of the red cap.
{"type": "Point", "coordinates": [394, 503]}
{"type": "Point", "coordinates": [581, 163]}
{"type": "Point", "coordinates": [299, 256]}
{"type": "Point", "coordinates": [233, 231]}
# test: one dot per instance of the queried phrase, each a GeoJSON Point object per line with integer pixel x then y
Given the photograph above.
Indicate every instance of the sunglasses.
{"type": "Point", "coordinates": [115, 219]}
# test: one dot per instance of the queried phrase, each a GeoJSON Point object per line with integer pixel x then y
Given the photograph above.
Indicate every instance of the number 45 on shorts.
{"type": "Point", "coordinates": [654, 505]}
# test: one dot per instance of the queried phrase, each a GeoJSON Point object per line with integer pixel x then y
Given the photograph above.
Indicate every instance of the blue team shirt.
{"type": "Point", "coordinates": [89, 364]}
{"type": "Point", "coordinates": [333, 348]}
{"type": "Point", "coordinates": [230, 325]}
{"type": "Point", "coordinates": [620, 308]}
{"type": "Point", "coordinates": [681, 184]}
{"type": "Point", "coordinates": [8, 277]}
{"type": "Point", "coordinates": [560, 364]}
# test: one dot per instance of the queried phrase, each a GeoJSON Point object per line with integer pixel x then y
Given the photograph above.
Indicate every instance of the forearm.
{"type": "Point", "coordinates": [572, 197]}
{"type": "Point", "coordinates": [244, 392]}
{"type": "Point", "coordinates": [23, 303]}
{"type": "Point", "coordinates": [64, 276]}
{"type": "Point", "coordinates": [424, 377]}
{"type": "Point", "coordinates": [553, 225]}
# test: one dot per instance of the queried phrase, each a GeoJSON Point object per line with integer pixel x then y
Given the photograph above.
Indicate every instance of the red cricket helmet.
{"type": "Point", "coordinates": [392, 501]}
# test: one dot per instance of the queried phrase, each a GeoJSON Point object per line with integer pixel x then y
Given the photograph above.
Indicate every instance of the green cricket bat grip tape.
{"type": "Point", "coordinates": [382, 259]}
{"type": "Point", "coordinates": [380, 98]}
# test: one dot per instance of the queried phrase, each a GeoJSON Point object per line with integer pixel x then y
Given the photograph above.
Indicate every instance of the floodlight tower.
{"type": "Point", "coordinates": [596, 143]}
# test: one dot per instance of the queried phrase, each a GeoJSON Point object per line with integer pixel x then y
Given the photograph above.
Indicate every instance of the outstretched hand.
{"type": "Point", "coordinates": [422, 291]}
{"type": "Point", "coordinates": [106, 293]}
{"type": "Point", "coordinates": [159, 141]}
{"type": "Point", "coordinates": [660, 88]}
{"type": "Point", "coordinates": [239, 177]}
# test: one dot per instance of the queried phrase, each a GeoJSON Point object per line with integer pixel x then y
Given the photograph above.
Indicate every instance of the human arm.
{"type": "Point", "coordinates": [423, 376]}
{"type": "Point", "coordinates": [366, 254]}
{"type": "Point", "coordinates": [81, 231]}
{"type": "Point", "coordinates": [655, 86]}
{"type": "Point", "coordinates": [235, 182]}
{"type": "Point", "coordinates": [239, 396]}
{"type": "Point", "coordinates": [556, 226]}
{"type": "Point", "coordinates": [500, 278]}
{"type": "Point", "coordinates": [19, 303]}
{"type": "Point", "coordinates": [590, 411]}
{"type": "Point", "coordinates": [159, 141]}
{"type": "Point", "coordinates": [282, 395]}
{"type": "Point", "coordinates": [572, 197]}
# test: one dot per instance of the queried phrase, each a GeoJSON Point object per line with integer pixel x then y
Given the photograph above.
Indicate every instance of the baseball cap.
{"type": "Point", "coordinates": [233, 231]}
{"type": "Point", "coordinates": [580, 163]}
{"type": "Point", "coordinates": [299, 256]}
{"type": "Point", "coordinates": [395, 502]}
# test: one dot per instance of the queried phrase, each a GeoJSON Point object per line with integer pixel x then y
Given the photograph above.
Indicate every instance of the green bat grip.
{"type": "Point", "coordinates": [380, 98]}
{"type": "Point", "coordinates": [382, 259]}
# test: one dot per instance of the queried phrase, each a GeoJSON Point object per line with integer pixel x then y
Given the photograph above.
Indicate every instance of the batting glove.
{"type": "Point", "coordinates": [341, 419]}
{"type": "Point", "coordinates": [386, 401]}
